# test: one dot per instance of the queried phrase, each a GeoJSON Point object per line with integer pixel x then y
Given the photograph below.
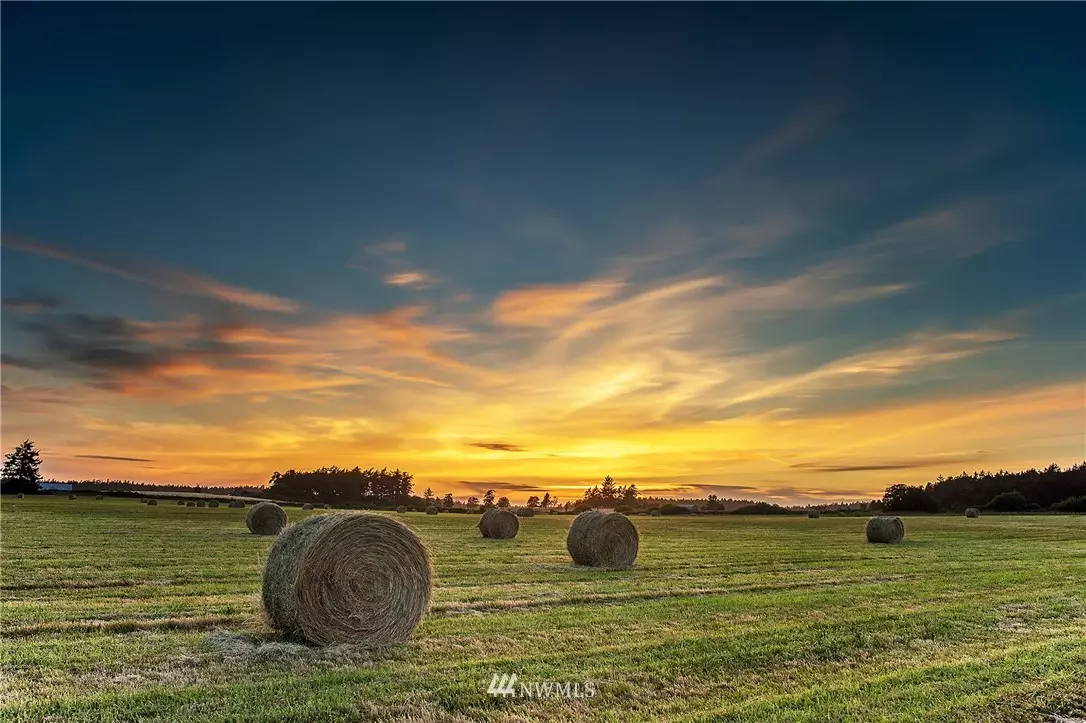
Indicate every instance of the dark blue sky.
{"type": "Point", "coordinates": [854, 176]}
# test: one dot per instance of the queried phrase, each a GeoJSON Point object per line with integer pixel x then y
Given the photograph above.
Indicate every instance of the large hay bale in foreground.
{"type": "Point", "coordinates": [525, 512]}
{"type": "Point", "coordinates": [972, 512]}
{"type": "Point", "coordinates": [813, 514]}
{"type": "Point", "coordinates": [347, 577]}
{"type": "Point", "coordinates": [401, 509]}
{"type": "Point", "coordinates": [602, 539]}
{"type": "Point", "coordinates": [499, 524]}
{"type": "Point", "coordinates": [237, 505]}
{"type": "Point", "coordinates": [265, 518]}
{"type": "Point", "coordinates": [152, 503]}
{"type": "Point", "coordinates": [431, 510]}
{"type": "Point", "coordinates": [307, 506]}
{"type": "Point", "coordinates": [213, 503]}
{"type": "Point", "coordinates": [889, 530]}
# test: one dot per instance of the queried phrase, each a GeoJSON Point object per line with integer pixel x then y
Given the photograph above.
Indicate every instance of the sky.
{"type": "Point", "coordinates": [793, 253]}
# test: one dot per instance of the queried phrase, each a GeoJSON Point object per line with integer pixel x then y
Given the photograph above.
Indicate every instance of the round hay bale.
{"type": "Point", "coordinates": [525, 512]}
{"type": "Point", "coordinates": [602, 539]}
{"type": "Point", "coordinates": [813, 514]}
{"type": "Point", "coordinates": [972, 512]}
{"type": "Point", "coordinates": [143, 500]}
{"type": "Point", "coordinates": [327, 506]}
{"type": "Point", "coordinates": [99, 497]}
{"type": "Point", "coordinates": [431, 510]}
{"type": "Point", "coordinates": [237, 505]}
{"type": "Point", "coordinates": [347, 577]}
{"type": "Point", "coordinates": [889, 530]}
{"type": "Point", "coordinates": [19, 496]}
{"type": "Point", "coordinates": [401, 509]}
{"type": "Point", "coordinates": [307, 506]}
{"type": "Point", "coordinates": [213, 503]}
{"type": "Point", "coordinates": [71, 497]}
{"type": "Point", "coordinates": [499, 524]}
{"type": "Point", "coordinates": [152, 503]}
{"type": "Point", "coordinates": [654, 512]}
{"type": "Point", "coordinates": [190, 504]}
{"type": "Point", "coordinates": [181, 502]}
{"type": "Point", "coordinates": [201, 503]}
{"type": "Point", "coordinates": [265, 518]}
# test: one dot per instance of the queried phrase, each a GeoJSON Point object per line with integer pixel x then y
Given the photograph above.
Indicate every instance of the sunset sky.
{"type": "Point", "coordinates": [791, 253]}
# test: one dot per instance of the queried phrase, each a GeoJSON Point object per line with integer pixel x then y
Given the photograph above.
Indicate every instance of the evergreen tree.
{"type": "Point", "coordinates": [21, 469]}
{"type": "Point", "coordinates": [488, 499]}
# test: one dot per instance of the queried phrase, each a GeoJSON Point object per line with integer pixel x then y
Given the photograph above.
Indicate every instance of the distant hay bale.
{"type": "Point", "coordinates": [525, 512]}
{"type": "Point", "coordinates": [602, 539]}
{"type": "Point", "coordinates": [499, 524]}
{"type": "Point", "coordinates": [347, 577]}
{"type": "Point", "coordinates": [307, 506]}
{"type": "Point", "coordinates": [213, 503]}
{"type": "Point", "coordinates": [401, 509]}
{"type": "Point", "coordinates": [265, 518]}
{"type": "Point", "coordinates": [654, 512]}
{"type": "Point", "coordinates": [327, 506]}
{"type": "Point", "coordinates": [201, 503]}
{"type": "Point", "coordinates": [19, 496]}
{"type": "Point", "coordinates": [237, 505]}
{"type": "Point", "coordinates": [190, 504]}
{"type": "Point", "coordinates": [972, 512]}
{"type": "Point", "coordinates": [152, 503]}
{"type": "Point", "coordinates": [99, 497]}
{"type": "Point", "coordinates": [889, 530]}
{"type": "Point", "coordinates": [143, 500]}
{"type": "Point", "coordinates": [813, 514]}
{"type": "Point", "coordinates": [71, 497]}
{"type": "Point", "coordinates": [431, 510]}
{"type": "Point", "coordinates": [181, 502]}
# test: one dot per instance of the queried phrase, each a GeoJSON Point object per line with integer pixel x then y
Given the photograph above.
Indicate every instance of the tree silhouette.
{"type": "Point", "coordinates": [21, 469]}
{"type": "Point", "coordinates": [447, 500]}
{"type": "Point", "coordinates": [533, 501]}
{"type": "Point", "coordinates": [503, 502]}
{"type": "Point", "coordinates": [428, 495]}
{"type": "Point", "coordinates": [473, 501]}
{"type": "Point", "coordinates": [546, 501]}
{"type": "Point", "coordinates": [488, 499]}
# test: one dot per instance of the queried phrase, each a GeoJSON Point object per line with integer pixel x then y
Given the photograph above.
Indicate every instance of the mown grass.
{"type": "Point", "coordinates": [115, 611]}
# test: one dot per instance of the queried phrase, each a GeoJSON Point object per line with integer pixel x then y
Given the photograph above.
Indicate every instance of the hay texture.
{"type": "Point", "coordinates": [265, 518]}
{"type": "Point", "coordinates": [813, 514]}
{"type": "Point", "coordinates": [499, 524]}
{"type": "Point", "coordinates": [347, 577]}
{"type": "Point", "coordinates": [431, 510]}
{"type": "Point", "coordinates": [602, 539]}
{"type": "Point", "coordinates": [972, 512]}
{"type": "Point", "coordinates": [307, 506]}
{"type": "Point", "coordinates": [525, 512]}
{"type": "Point", "coordinates": [888, 530]}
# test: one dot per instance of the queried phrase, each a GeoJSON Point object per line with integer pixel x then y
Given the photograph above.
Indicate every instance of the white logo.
{"type": "Point", "coordinates": [506, 685]}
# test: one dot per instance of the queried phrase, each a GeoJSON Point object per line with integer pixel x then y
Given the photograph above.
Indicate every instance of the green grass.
{"type": "Point", "coordinates": [115, 611]}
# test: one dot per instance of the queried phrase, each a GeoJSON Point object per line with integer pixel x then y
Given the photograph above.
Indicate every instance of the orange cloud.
{"type": "Point", "coordinates": [540, 306]}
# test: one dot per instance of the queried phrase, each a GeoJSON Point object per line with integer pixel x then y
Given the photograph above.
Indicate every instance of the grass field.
{"type": "Point", "coordinates": [115, 611]}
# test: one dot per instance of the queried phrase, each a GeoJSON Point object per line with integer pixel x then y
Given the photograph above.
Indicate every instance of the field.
{"type": "Point", "coordinates": [113, 611]}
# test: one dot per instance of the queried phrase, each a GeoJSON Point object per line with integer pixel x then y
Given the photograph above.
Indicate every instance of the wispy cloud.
{"type": "Point", "coordinates": [498, 446]}
{"type": "Point", "coordinates": [801, 128]}
{"type": "Point", "coordinates": [543, 305]}
{"type": "Point", "coordinates": [112, 457]}
{"type": "Point", "coordinates": [32, 304]}
{"type": "Point", "coordinates": [169, 279]}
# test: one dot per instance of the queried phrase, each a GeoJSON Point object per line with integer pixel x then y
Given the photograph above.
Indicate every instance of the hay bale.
{"type": "Point", "coordinates": [525, 512]}
{"type": "Point", "coordinates": [19, 496]}
{"type": "Point", "coordinates": [327, 506]}
{"type": "Point", "coordinates": [401, 509]}
{"type": "Point", "coordinates": [237, 505]}
{"type": "Point", "coordinates": [201, 503]}
{"type": "Point", "coordinates": [99, 497]}
{"type": "Point", "coordinates": [431, 510]}
{"type": "Point", "coordinates": [152, 503]}
{"type": "Point", "coordinates": [813, 514]}
{"type": "Point", "coordinates": [181, 502]}
{"type": "Point", "coordinates": [71, 497]}
{"type": "Point", "coordinates": [265, 518]}
{"type": "Point", "coordinates": [889, 530]}
{"type": "Point", "coordinates": [347, 577]}
{"type": "Point", "coordinates": [190, 504]}
{"type": "Point", "coordinates": [499, 524]}
{"type": "Point", "coordinates": [143, 500]}
{"type": "Point", "coordinates": [307, 506]}
{"type": "Point", "coordinates": [654, 512]}
{"type": "Point", "coordinates": [972, 512]}
{"type": "Point", "coordinates": [602, 539]}
{"type": "Point", "coordinates": [213, 503]}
